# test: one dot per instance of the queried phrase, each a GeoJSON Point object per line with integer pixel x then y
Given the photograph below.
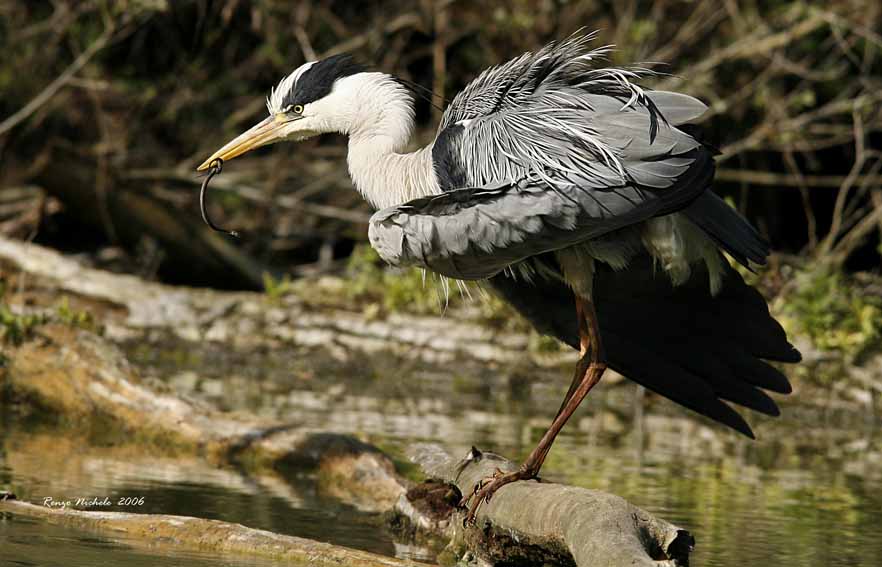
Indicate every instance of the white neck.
{"type": "Point", "coordinates": [380, 124]}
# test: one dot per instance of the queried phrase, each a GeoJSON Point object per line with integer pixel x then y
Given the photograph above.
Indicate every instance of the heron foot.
{"type": "Point", "coordinates": [487, 487]}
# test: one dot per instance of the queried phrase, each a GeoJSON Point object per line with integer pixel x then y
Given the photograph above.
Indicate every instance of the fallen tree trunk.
{"type": "Point", "coordinates": [317, 315]}
{"type": "Point", "coordinates": [128, 214]}
{"type": "Point", "coordinates": [596, 528]}
{"type": "Point", "coordinates": [536, 523]}
{"type": "Point", "coordinates": [182, 532]}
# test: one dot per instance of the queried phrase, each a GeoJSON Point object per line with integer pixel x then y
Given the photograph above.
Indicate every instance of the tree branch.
{"type": "Point", "coordinates": [52, 88]}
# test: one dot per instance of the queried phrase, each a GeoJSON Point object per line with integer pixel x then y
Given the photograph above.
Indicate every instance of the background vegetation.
{"type": "Point", "coordinates": [107, 106]}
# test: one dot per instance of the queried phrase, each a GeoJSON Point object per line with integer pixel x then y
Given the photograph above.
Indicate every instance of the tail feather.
{"type": "Point", "coordinates": [670, 378]}
{"type": "Point", "coordinates": [681, 342]}
{"type": "Point", "coordinates": [738, 315]}
{"type": "Point", "coordinates": [761, 374]}
{"type": "Point", "coordinates": [728, 229]}
{"type": "Point", "coordinates": [722, 372]}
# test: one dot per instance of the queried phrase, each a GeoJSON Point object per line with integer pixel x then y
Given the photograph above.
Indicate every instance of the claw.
{"type": "Point", "coordinates": [487, 487]}
{"type": "Point", "coordinates": [464, 502]}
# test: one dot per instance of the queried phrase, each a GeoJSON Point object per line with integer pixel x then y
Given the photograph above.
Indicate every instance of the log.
{"type": "Point", "coordinates": [186, 533]}
{"type": "Point", "coordinates": [81, 377]}
{"type": "Point", "coordinates": [537, 522]}
{"type": "Point", "coordinates": [129, 214]}
{"type": "Point", "coordinates": [315, 314]}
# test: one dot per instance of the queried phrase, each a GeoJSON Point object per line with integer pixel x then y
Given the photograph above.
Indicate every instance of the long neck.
{"type": "Point", "coordinates": [386, 177]}
{"type": "Point", "coordinates": [379, 132]}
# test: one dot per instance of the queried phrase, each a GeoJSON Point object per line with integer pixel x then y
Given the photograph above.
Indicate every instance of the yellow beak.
{"type": "Point", "coordinates": [266, 132]}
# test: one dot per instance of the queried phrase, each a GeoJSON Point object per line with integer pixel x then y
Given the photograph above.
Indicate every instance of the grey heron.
{"type": "Point", "coordinates": [581, 197]}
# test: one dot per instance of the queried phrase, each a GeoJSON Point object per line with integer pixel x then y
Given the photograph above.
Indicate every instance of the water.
{"type": "Point", "coordinates": [809, 492]}
{"type": "Point", "coordinates": [38, 465]}
{"type": "Point", "coordinates": [25, 542]}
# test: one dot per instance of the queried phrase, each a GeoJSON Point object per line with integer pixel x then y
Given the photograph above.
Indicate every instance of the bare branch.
{"type": "Point", "coordinates": [772, 179]}
{"type": "Point", "coordinates": [47, 93]}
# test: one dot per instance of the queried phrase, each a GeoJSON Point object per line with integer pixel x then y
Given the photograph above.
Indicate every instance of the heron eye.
{"type": "Point", "coordinates": [297, 109]}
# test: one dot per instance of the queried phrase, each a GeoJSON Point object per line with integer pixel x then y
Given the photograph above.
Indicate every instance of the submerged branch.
{"type": "Point", "coordinates": [182, 532]}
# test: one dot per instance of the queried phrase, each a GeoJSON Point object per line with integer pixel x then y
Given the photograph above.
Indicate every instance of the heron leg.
{"type": "Point", "coordinates": [589, 370]}
{"type": "Point", "coordinates": [588, 334]}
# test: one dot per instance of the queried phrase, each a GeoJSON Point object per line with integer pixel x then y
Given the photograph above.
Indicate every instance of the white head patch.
{"type": "Point", "coordinates": [277, 95]}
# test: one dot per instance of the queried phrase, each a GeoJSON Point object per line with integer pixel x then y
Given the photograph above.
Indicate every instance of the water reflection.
{"type": "Point", "coordinates": [44, 465]}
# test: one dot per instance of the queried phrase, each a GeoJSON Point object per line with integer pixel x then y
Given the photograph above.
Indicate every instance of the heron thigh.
{"type": "Point", "coordinates": [677, 243]}
{"type": "Point", "coordinates": [577, 266]}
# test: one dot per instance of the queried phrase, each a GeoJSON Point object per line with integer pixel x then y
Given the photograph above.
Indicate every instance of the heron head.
{"type": "Point", "coordinates": [314, 99]}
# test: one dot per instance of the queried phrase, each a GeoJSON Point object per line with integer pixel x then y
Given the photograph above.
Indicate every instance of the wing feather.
{"type": "Point", "coordinates": [447, 233]}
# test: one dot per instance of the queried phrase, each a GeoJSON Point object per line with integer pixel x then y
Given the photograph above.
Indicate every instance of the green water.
{"type": "Point", "coordinates": [808, 492]}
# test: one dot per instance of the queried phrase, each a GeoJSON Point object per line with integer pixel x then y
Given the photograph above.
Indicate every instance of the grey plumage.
{"type": "Point", "coordinates": [475, 233]}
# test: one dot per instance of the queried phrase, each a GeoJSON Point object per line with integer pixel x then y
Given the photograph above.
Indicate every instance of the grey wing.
{"type": "Point", "coordinates": [475, 233]}
{"type": "Point", "coordinates": [548, 188]}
